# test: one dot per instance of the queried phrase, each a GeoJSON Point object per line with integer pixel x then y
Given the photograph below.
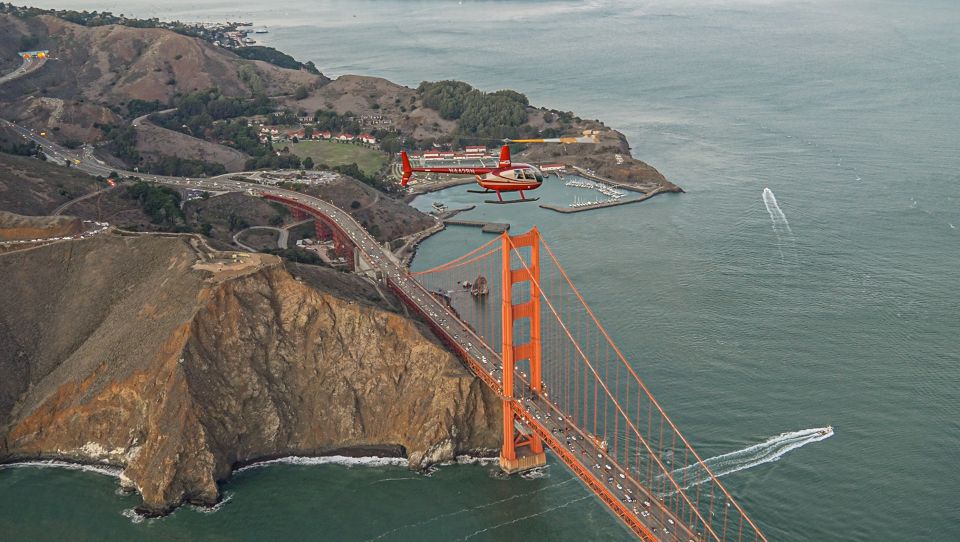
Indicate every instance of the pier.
{"type": "Point", "coordinates": [594, 177]}
{"type": "Point", "coordinates": [600, 205]}
{"type": "Point", "coordinates": [485, 227]}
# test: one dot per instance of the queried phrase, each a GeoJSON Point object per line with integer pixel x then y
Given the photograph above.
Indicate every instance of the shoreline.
{"type": "Point", "coordinates": [435, 187]}
{"type": "Point", "coordinates": [349, 456]}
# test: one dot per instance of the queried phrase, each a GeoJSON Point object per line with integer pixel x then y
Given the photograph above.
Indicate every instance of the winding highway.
{"type": "Point", "coordinates": [629, 500]}
{"type": "Point", "coordinates": [578, 450]}
{"type": "Point", "coordinates": [28, 65]}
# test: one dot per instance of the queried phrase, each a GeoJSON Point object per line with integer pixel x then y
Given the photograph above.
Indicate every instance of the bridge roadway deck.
{"type": "Point", "coordinates": [643, 513]}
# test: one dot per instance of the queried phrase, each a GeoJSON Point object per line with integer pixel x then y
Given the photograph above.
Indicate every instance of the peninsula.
{"type": "Point", "coordinates": [153, 344]}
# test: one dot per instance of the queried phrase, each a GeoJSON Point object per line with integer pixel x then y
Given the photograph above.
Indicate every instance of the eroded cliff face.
{"type": "Point", "coordinates": [178, 367]}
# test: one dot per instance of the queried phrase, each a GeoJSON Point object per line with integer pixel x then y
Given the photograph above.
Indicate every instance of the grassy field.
{"type": "Point", "coordinates": [334, 154]}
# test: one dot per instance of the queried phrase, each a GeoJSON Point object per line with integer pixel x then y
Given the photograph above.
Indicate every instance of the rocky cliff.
{"type": "Point", "coordinates": [178, 363]}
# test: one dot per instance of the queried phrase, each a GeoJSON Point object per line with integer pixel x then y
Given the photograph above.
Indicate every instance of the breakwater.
{"type": "Point", "coordinates": [600, 205]}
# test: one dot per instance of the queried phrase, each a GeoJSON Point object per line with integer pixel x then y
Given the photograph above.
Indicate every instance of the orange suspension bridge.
{"type": "Point", "coordinates": [566, 385]}
{"type": "Point", "coordinates": [510, 311]}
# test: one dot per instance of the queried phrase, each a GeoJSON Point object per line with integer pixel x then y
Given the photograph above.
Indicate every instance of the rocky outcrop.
{"type": "Point", "coordinates": [186, 363]}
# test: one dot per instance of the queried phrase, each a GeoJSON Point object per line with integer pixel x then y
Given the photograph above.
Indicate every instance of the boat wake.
{"type": "Point", "coordinates": [471, 509]}
{"type": "Point", "coordinates": [766, 452]}
{"type": "Point", "coordinates": [778, 221]}
{"type": "Point", "coordinates": [523, 518]}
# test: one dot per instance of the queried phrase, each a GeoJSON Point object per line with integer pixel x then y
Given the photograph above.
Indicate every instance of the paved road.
{"type": "Point", "coordinates": [62, 208]}
{"type": "Point", "coordinates": [282, 235]}
{"type": "Point", "coordinates": [139, 120]}
{"type": "Point", "coordinates": [28, 65]}
{"type": "Point", "coordinates": [539, 412]}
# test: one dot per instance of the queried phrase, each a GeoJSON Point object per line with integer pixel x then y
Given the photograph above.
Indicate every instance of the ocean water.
{"type": "Point", "coordinates": [809, 277]}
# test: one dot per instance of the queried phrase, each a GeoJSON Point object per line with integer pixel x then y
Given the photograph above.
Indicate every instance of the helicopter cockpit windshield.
{"type": "Point", "coordinates": [529, 174]}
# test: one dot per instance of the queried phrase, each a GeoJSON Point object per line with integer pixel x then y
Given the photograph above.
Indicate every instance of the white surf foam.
{"type": "Point", "coordinates": [331, 460]}
{"type": "Point", "coordinates": [536, 474]}
{"type": "Point", "coordinates": [105, 470]}
{"type": "Point", "coordinates": [215, 508]}
{"type": "Point", "coordinates": [766, 452]}
{"type": "Point", "coordinates": [471, 460]}
{"type": "Point", "coordinates": [133, 516]}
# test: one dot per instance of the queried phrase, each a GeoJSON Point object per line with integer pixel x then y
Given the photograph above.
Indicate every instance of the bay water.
{"type": "Point", "coordinates": [808, 277]}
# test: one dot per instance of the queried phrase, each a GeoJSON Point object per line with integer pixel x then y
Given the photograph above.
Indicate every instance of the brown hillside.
{"type": "Point", "coordinates": [385, 217]}
{"type": "Point", "coordinates": [154, 142]}
{"type": "Point", "coordinates": [179, 371]}
{"type": "Point", "coordinates": [94, 69]}
{"type": "Point", "coordinates": [114, 63]}
{"type": "Point", "coordinates": [358, 94]}
{"type": "Point", "coordinates": [14, 226]}
{"type": "Point", "coordinates": [32, 187]}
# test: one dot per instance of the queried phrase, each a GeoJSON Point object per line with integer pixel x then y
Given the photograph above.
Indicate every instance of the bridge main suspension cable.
{"type": "Point", "coordinates": [595, 392]}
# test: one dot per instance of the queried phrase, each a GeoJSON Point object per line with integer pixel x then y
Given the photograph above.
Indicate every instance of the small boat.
{"type": "Point", "coordinates": [480, 287]}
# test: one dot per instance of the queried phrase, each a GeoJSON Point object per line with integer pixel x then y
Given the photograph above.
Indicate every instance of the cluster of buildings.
{"type": "Point", "coordinates": [475, 152]}
{"type": "Point", "coordinates": [379, 120]}
{"type": "Point", "coordinates": [273, 134]}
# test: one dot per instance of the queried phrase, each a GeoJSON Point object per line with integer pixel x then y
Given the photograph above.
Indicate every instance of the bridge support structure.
{"type": "Point", "coordinates": [522, 448]}
{"type": "Point", "coordinates": [324, 228]}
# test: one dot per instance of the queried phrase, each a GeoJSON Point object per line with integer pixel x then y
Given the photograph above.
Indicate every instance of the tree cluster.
{"type": "Point", "coordinates": [123, 142]}
{"type": "Point", "coordinates": [196, 112]}
{"type": "Point", "coordinates": [236, 134]}
{"type": "Point", "coordinates": [137, 107]}
{"type": "Point", "coordinates": [160, 203]}
{"type": "Point", "coordinates": [275, 57]}
{"type": "Point", "coordinates": [28, 148]}
{"type": "Point", "coordinates": [479, 114]}
{"type": "Point", "coordinates": [176, 166]}
{"type": "Point", "coordinates": [330, 120]}
{"type": "Point", "coordinates": [298, 255]}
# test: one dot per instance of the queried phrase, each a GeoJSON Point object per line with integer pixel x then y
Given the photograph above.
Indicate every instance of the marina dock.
{"type": "Point", "coordinates": [600, 205]}
{"type": "Point", "coordinates": [485, 227]}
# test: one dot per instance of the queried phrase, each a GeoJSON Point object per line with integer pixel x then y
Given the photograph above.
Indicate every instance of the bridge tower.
{"type": "Point", "coordinates": [522, 448]}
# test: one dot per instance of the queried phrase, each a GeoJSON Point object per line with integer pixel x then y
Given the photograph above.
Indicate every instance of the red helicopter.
{"type": "Point", "coordinates": [506, 177]}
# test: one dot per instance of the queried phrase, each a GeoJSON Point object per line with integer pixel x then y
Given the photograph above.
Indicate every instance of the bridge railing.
{"type": "Point", "coordinates": [593, 382]}
{"type": "Point", "coordinates": [590, 382]}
